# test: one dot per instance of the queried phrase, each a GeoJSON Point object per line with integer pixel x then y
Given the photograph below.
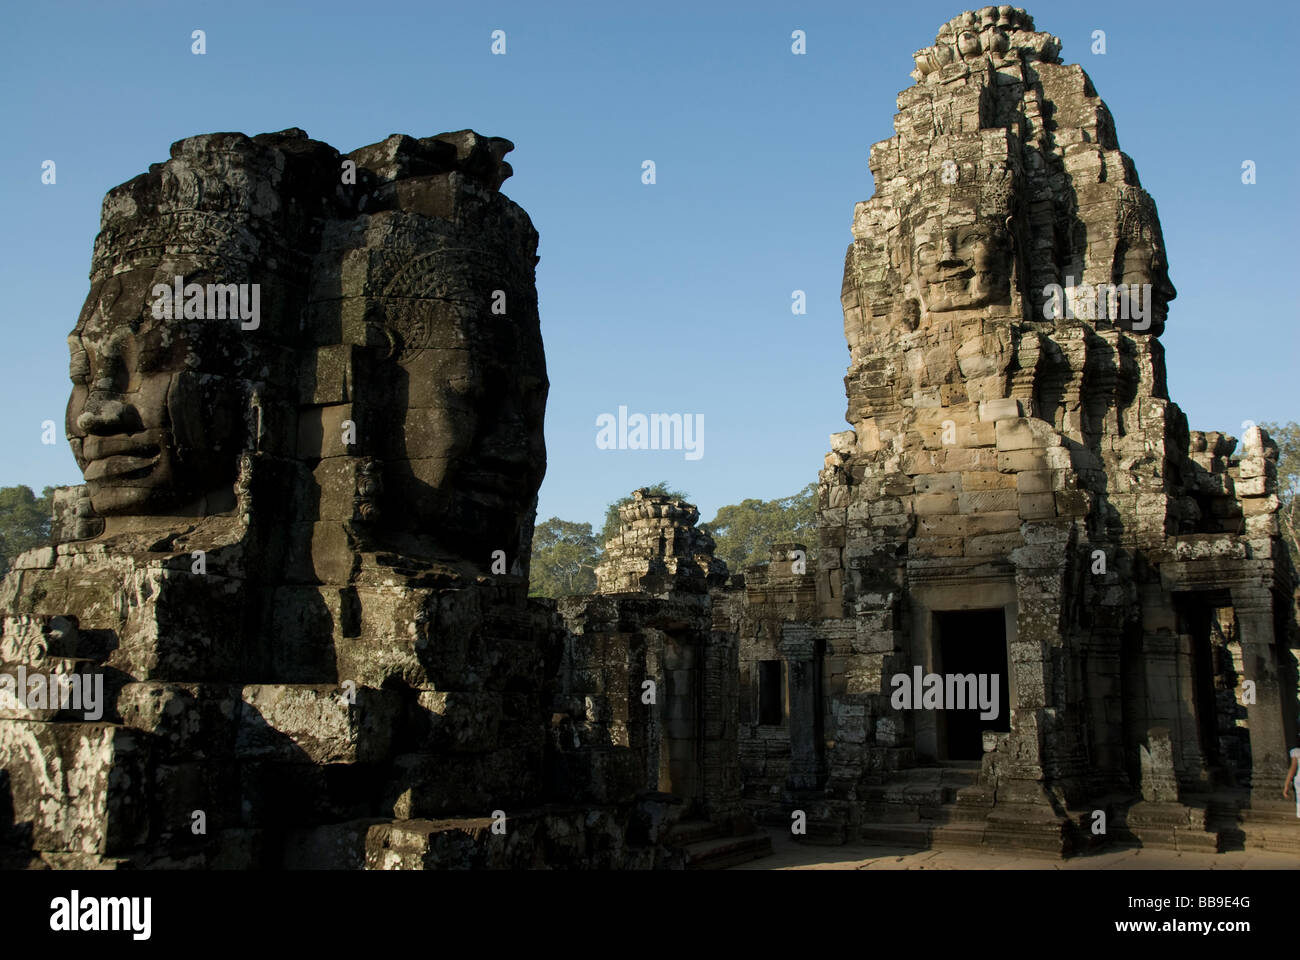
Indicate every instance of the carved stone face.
{"type": "Point", "coordinates": [151, 433]}
{"type": "Point", "coordinates": [471, 433]}
{"type": "Point", "coordinates": [1144, 262]}
{"type": "Point", "coordinates": [962, 267]}
{"type": "Point", "coordinates": [464, 442]}
{"type": "Point", "coordinates": [968, 43]}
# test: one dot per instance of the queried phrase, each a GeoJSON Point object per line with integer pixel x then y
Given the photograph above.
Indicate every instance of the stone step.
{"type": "Point", "coordinates": [722, 852]}
{"type": "Point", "coordinates": [913, 796]}
{"type": "Point", "coordinates": [823, 833]}
{"type": "Point", "coordinates": [955, 813]}
{"type": "Point", "coordinates": [972, 833]}
{"type": "Point", "coordinates": [1276, 828]}
{"type": "Point", "coordinates": [1172, 827]}
{"type": "Point", "coordinates": [1048, 839]}
{"type": "Point", "coordinates": [1185, 839]}
{"type": "Point", "coordinates": [687, 832]}
{"type": "Point", "coordinates": [1274, 841]}
{"type": "Point", "coordinates": [879, 811]}
{"type": "Point", "coordinates": [904, 834]}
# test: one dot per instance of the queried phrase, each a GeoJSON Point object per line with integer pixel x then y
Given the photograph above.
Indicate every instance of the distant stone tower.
{"type": "Point", "coordinates": [648, 667]}
{"type": "Point", "coordinates": [659, 549]}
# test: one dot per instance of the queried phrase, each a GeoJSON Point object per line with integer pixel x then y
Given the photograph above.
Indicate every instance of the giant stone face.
{"type": "Point", "coordinates": [154, 417]}
{"type": "Point", "coordinates": [962, 266]}
{"type": "Point", "coordinates": [400, 301]}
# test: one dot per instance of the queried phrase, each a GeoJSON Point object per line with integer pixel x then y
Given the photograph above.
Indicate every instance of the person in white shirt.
{"type": "Point", "coordinates": [1293, 777]}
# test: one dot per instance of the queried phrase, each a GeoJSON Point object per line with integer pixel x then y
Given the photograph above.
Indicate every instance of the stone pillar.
{"type": "Point", "coordinates": [1270, 728]}
{"type": "Point", "coordinates": [680, 754]}
{"type": "Point", "coordinates": [721, 773]}
{"type": "Point", "coordinates": [1171, 699]}
{"type": "Point", "coordinates": [1040, 571]}
{"type": "Point", "coordinates": [1159, 778]}
{"type": "Point", "coordinates": [800, 652]}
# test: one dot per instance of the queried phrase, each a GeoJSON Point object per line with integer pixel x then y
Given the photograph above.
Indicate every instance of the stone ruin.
{"type": "Point", "coordinates": [650, 668]}
{"type": "Point", "coordinates": [1019, 499]}
{"type": "Point", "coordinates": [299, 562]}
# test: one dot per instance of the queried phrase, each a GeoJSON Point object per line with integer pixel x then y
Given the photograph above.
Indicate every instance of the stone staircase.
{"type": "Point", "coordinates": [924, 806]}
{"type": "Point", "coordinates": [944, 806]}
{"type": "Point", "coordinates": [1209, 823]}
{"type": "Point", "coordinates": [707, 847]}
{"type": "Point", "coordinates": [1268, 826]}
{"type": "Point", "coordinates": [936, 806]}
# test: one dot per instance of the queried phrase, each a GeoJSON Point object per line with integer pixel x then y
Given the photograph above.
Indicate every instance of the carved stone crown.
{"type": "Point", "coordinates": [1137, 216]}
{"type": "Point", "coordinates": [990, 190]}
{"type": "Point", "coordinates": [987, 32]}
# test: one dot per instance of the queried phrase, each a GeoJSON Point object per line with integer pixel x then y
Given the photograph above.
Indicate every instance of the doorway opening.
{"type": "Point", "coordinates": [972, 646]}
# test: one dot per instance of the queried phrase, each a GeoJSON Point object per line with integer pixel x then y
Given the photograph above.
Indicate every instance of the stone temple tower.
{"type": "Point", "coordinates": [1019, 499]}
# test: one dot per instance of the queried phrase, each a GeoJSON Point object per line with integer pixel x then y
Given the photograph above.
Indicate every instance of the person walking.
{"type": "Point", "coordinates": [1292, 777]}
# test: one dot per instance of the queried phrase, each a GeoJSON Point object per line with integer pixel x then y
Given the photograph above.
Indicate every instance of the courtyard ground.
{"type": "Point", "coordinates": [789, 855]}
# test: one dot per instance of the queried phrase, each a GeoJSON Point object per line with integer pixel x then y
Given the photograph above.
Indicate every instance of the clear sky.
{"type": "Point", "coordinates": [673, 297]}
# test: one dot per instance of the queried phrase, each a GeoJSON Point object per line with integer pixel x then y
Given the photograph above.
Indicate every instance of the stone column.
{"type": "Point", "coordinates": [800, 652]}
{"type": "Point", "coordinates": [1270, 728]}
{"type": "Point", "coordinates": [1040, 588]}
{"type": "Point", "coordinates": [1171, 699]}
{"type": "Point", "coordinates": [721, 773]}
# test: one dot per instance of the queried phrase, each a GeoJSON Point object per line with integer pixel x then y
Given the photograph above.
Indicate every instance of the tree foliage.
{"type": "Point", "coordinates": [1287, 438]}
{"type": "Point", "coordinates": [24, 521]}
{"type": "Point", "coordinates": [564, 559]}
{"type": "Point", "coordinates": [745, 532]}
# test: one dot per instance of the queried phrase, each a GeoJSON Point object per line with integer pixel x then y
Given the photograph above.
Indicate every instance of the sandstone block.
{"type": "Point", "coordinates": [1037, 506]}
{"type": "Point", "coordinates": [986, 501]}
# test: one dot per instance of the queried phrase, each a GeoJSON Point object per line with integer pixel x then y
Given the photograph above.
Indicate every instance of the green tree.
{"type": "Point", "coordinates": [24, 521]}
{"type": "Point", "coordinates": [612, 522]}
{"type": "Point", "coordinates": [1287, 438]}
{"type": "Point", "coordinates": [564, 559]}
{"type": "Point", "coordinates": [745, 532]}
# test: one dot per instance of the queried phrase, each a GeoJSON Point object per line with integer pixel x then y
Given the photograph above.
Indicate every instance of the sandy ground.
{"type": "Point", "coordinates": [789, 855]}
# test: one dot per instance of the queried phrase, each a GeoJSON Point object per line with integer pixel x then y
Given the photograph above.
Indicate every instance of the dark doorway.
{"type": "Point", "coordinates": [1198, 622]}
{"type": "Point", "coordinates": [771, 711]}
{"type": "Point", "coordinates": [972, 642]}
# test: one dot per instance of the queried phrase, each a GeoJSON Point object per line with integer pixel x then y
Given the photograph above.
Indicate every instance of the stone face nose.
{"type": "Point", "coordinates": [104, 417]}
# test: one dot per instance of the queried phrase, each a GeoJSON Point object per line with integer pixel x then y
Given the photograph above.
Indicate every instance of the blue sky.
{"type": "Point", "coordinates": [673, 297]}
